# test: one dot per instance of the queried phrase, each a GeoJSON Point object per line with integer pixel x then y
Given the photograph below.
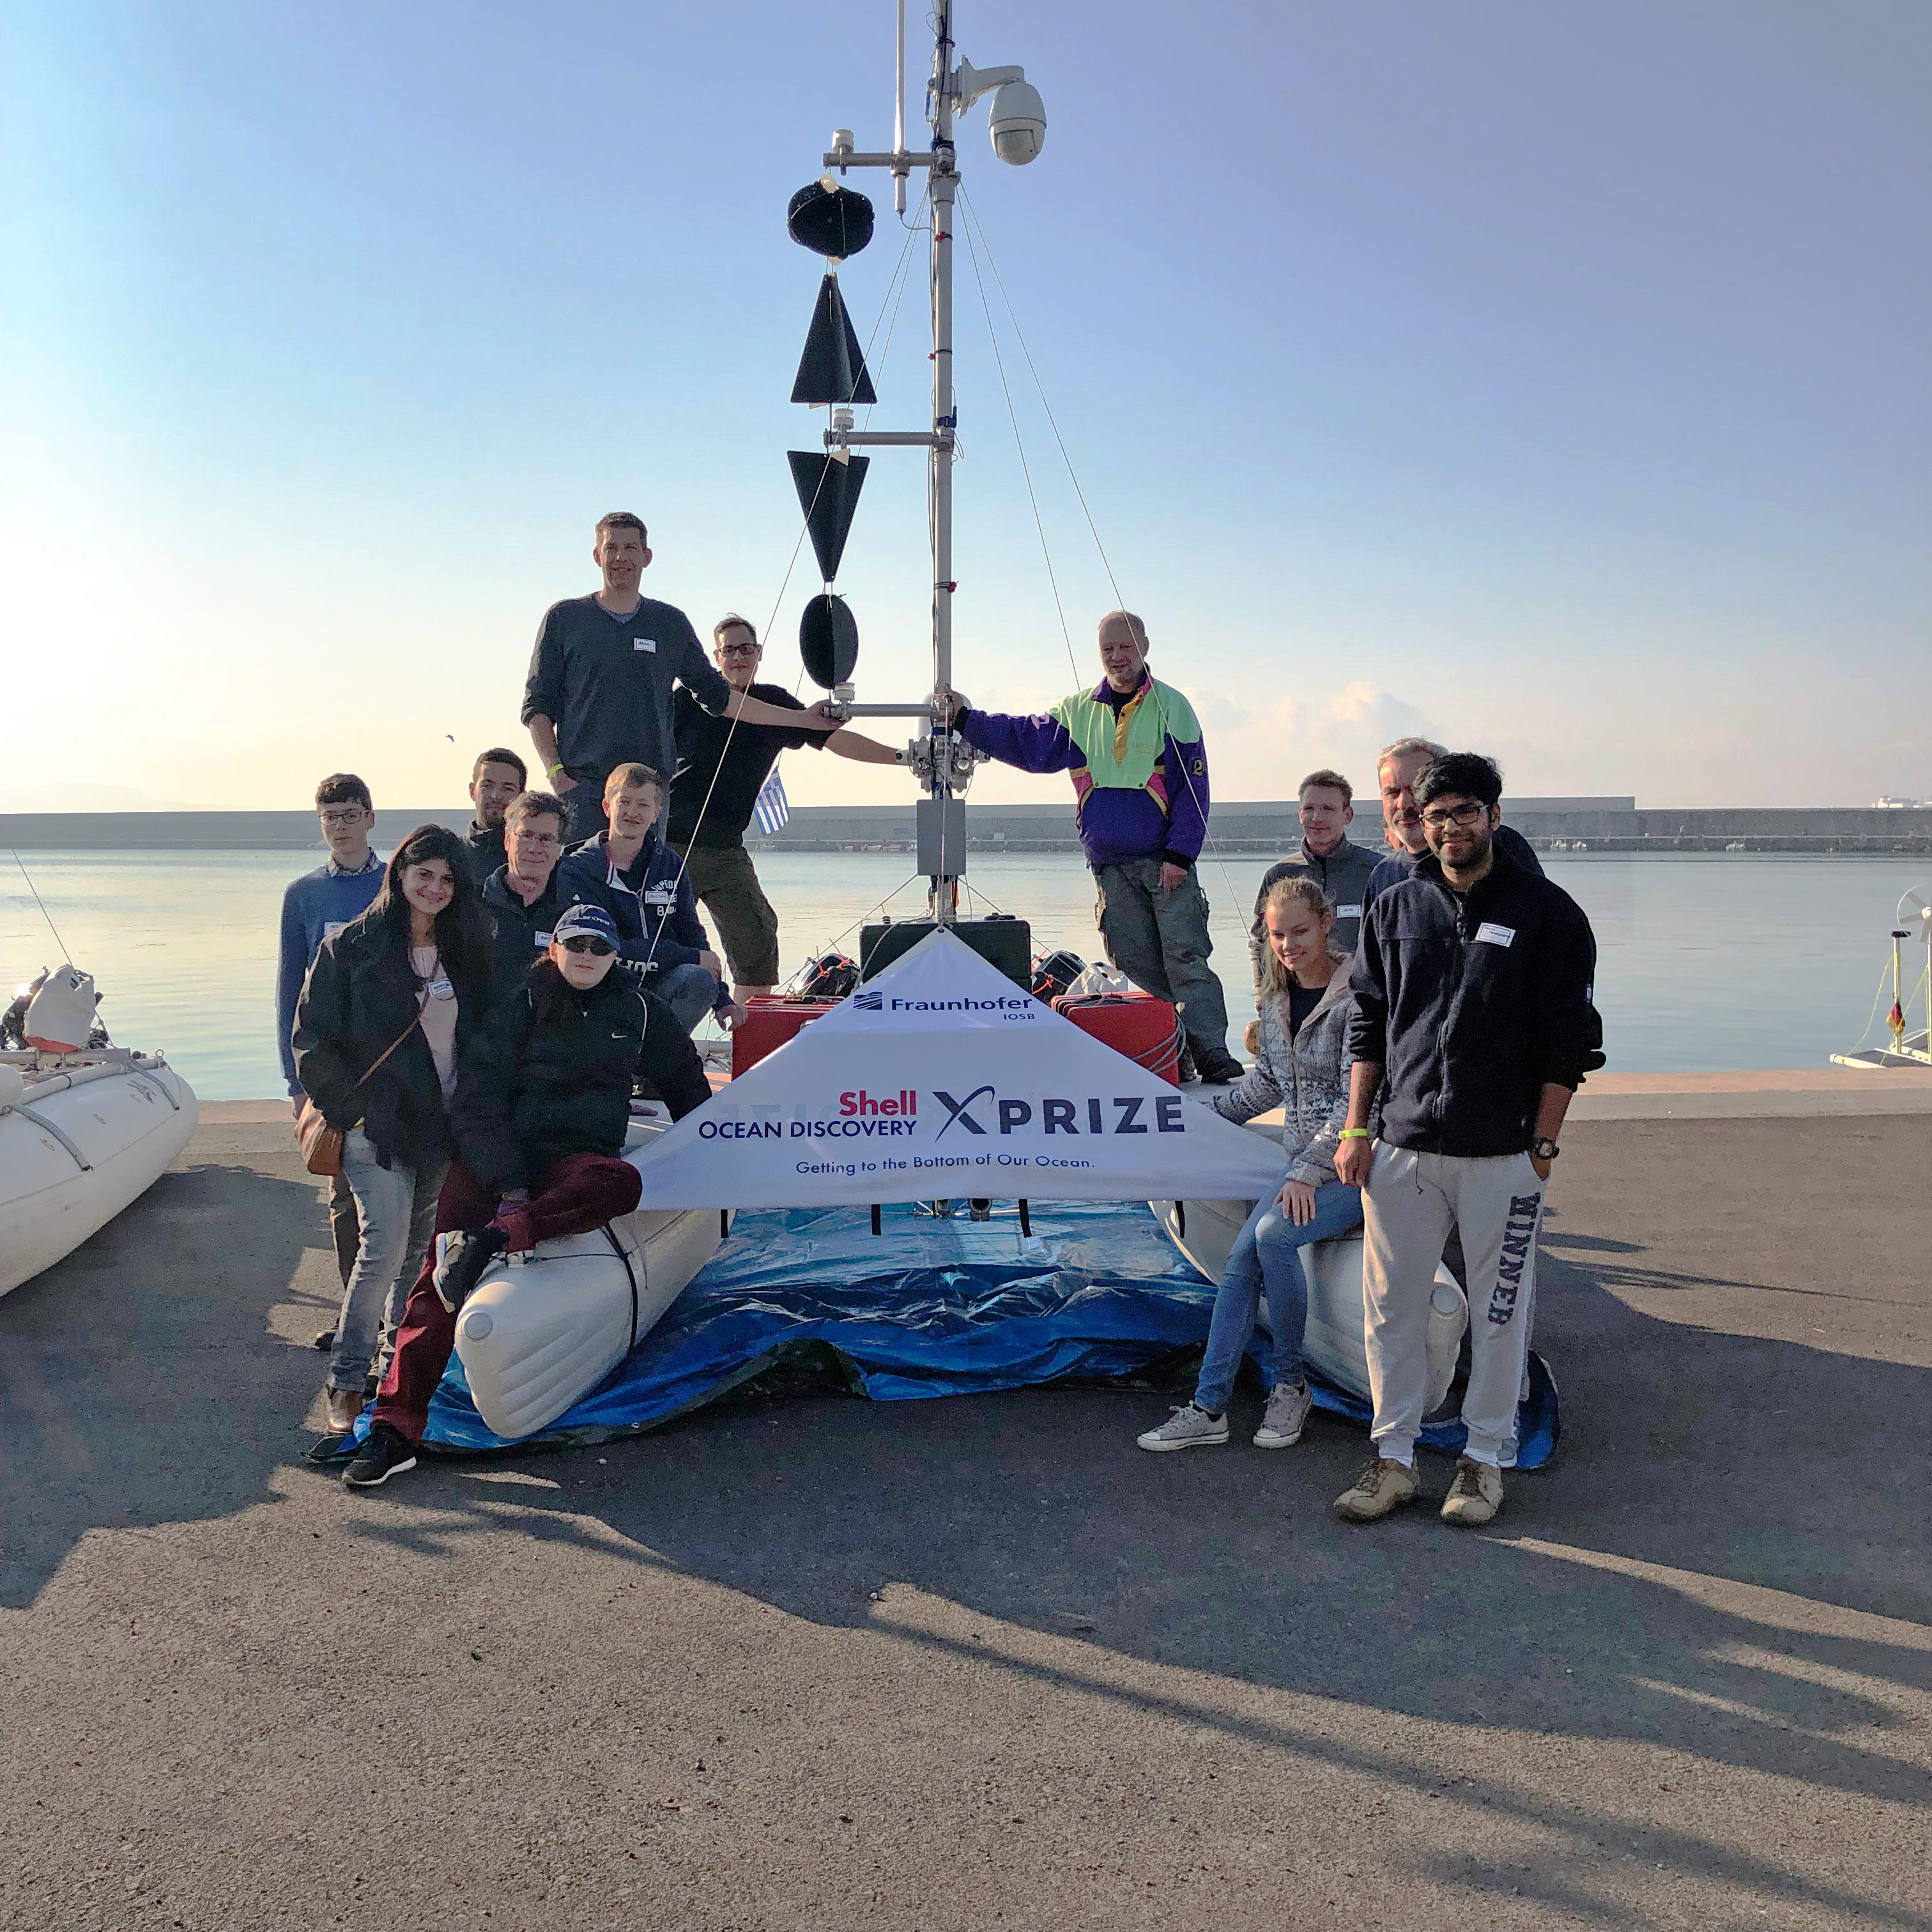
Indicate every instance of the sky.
{"type": "Point", "coordinates": [1549, 379]}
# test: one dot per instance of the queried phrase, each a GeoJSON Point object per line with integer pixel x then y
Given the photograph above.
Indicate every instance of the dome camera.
{"type": "Point", "coordinates": [1019, 123]}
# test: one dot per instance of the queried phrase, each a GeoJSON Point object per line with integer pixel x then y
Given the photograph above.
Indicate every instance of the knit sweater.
{"type": "Point", "coordinates": [1306, 1077]}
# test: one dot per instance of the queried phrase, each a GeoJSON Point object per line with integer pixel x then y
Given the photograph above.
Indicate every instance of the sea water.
{"type": "Point", "coordinates": [1706, 961]}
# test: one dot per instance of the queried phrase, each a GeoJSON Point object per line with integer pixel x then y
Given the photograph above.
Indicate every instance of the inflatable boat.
{"type": "Point", "coordinates": [1333, 1347]}
{"type": "Point", "coordinates": [541, 1331]}
{"type": "Point", "coordinates": [82, 1134]}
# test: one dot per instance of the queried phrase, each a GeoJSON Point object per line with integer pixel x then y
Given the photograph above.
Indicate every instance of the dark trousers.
{"type": "Point", "coordinates": [579, 1192]}
{"type": "Point", "coordinates": [585, 801]}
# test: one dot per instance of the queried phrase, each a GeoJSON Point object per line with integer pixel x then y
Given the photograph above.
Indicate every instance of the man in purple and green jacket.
{"type": "Point", "coordinates": [1140, 788]}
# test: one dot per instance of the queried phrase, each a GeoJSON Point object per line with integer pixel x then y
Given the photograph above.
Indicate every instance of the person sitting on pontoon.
{"type": "Point", "coordinates": [542, 1105]}
{"type": "Point", "coordinates": [1302, 1068]}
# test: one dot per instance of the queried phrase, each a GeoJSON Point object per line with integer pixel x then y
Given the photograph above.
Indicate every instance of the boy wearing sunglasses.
{"type": "Point", "coordinates": [543, 1099]}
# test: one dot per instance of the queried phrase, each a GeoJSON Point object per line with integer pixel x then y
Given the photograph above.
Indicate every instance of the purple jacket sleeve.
{"type": "Point", "coordinates": [1187, 800]}
{"type": "Point", "coordinates": [1034, 744]}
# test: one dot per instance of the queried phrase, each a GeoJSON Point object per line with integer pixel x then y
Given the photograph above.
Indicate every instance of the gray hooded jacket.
{"type": "Point", "coordinates": [1306, 1077]}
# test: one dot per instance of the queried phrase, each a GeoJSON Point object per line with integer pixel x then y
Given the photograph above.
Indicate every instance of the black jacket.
{"type": "Point", "coordinates": [519, 932]}
{"type": "Point", "coordinates": [359, 994]}
{"type": "Point", "coordinates": [488, 853]}
{"type": "Point", "coordinates": [549, 1074]}
{"type": "Point", "coordinates": [1470, 1005]}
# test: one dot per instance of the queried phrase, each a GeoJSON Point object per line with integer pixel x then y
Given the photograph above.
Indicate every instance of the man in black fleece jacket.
{"type": "Point", "coordinates": [1474, 1025]}
{"type": "Point", "coordinates": [543, 1100]}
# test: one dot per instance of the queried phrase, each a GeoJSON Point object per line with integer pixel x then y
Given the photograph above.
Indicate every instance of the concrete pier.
{"type": "Point", "coordinates": [980, 1662]}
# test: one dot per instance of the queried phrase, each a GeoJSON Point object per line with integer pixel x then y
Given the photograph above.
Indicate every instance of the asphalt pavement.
{"type": "Point", "coordinates": [979, 1662]}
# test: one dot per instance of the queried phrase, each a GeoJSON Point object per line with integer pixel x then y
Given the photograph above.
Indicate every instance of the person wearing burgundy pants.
{"type": "Point", "coordinates": [542, 1103]}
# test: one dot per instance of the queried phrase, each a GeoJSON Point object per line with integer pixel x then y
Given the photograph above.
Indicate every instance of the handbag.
{"type": "Point", "coordinates": [321, 1143]}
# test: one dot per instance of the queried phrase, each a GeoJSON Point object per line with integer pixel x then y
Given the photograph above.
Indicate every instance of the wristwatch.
{"type": "Point", "coordinates": [1543, 1148]}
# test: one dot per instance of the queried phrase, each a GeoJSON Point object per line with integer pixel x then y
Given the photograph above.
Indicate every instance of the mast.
{"type": "Point", "coordinates": [941, 758]}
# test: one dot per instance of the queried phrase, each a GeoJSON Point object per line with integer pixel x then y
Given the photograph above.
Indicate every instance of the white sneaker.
{"type": "Point", "coordinates": [1284, 1417]}
{"type": "Point", "coordinates": [1185, 1428]}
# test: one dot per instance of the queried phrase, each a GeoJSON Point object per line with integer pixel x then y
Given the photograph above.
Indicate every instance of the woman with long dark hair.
{"type": "Point", "coordinates": [388, 1006]}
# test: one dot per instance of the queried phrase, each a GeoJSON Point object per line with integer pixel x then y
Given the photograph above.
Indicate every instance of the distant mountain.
{"type": "Point", "coordinates": [69, 795]}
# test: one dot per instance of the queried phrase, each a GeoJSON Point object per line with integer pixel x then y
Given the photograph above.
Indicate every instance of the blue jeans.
{"type": "Point", "coordinates": [1267, 1258]}
{"type": "Point", "coordinates": [690, 992]}
{"type": "Point", "coordinates": [396, 1208]}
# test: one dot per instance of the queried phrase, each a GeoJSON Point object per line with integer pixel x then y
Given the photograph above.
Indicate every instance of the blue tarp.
{"type": "Point", "coordinates": [928, 1307]}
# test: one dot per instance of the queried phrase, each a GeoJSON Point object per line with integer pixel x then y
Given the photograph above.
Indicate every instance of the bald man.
{"type": "Point", "coordinates": [1140, 787]}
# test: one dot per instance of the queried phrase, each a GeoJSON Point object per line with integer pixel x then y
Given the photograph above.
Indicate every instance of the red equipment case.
{"type": "Point", "coordinates": [1148, 1030]}
{"type": "Point", "coordinates": [770, 1020]}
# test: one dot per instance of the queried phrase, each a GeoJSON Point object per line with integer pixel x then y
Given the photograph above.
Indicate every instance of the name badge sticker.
{"type": "Point", "coordinates": [331, 927]}
{"type": "Point", "coordinates": [440, 989]}
{"type": "Point", "coordinates": [542, 938]}
{"type": "Point", "coordinates": [643, 643]}
{"type": "Point", "coordinates": [1348, 912]}
{"type": "Point", "coordinates": [1489, 933]}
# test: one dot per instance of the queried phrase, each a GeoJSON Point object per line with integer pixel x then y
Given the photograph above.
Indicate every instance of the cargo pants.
{"type": "Point", "coordinates": [1159, 941]}
{"type": "Point", "coordinates": [1409, 1205]}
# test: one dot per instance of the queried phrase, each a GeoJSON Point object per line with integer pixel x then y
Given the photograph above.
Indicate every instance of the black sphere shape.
{"type": "Point", "coordinates": [832, 221]}
{"type": "Point", "coordinates": [828, 640]}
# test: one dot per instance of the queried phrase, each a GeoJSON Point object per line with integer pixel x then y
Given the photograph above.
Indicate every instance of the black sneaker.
{"type": "Point", "coordinates": [460, 1265]}
{"type": "Point", "coordinates": [1221, 1069]}
{"type": "Point", "coordinates": [388, 1452]}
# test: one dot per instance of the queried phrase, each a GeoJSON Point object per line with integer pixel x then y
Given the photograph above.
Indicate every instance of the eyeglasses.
{"type": "Point", "coordinates": [1455, 814]}
{"type": "Point", "coordinates": [596, 948]}
{"type": "Point", "coordinates": [348, 815]}
{"type": "Point", "coordinates": [737, 650]}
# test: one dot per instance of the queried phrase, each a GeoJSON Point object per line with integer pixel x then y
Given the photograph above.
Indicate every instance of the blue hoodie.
{"type": "Point", "coordinates": [650, 901]}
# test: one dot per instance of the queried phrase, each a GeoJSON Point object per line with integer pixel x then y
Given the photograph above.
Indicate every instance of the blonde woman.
{"type": "Point", "coordinates": [1302, 1068]}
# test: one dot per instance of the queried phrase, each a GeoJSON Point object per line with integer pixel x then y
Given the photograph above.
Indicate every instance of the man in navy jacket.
{"type": "Point", "coordinates": [642, 884]}
{"type": "Point", "coordinates": [1473, 1026]}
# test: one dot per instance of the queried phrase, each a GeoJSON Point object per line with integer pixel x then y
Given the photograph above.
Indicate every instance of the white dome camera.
{"type": "Point", "coordinates": [1019, 123]}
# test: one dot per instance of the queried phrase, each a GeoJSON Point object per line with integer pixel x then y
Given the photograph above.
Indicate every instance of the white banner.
{"type": "Point", "coordinates": [941, 1078]}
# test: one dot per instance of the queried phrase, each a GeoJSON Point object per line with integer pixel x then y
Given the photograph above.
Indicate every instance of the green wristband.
{"type": "Point", "coordinates": [1355, 1134]}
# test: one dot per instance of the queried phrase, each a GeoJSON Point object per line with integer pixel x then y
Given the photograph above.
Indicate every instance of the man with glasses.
{"type": "Point", "coordinates": [317, 907]}
{"type": "Point", "coordinates": [1473, 1026]}
{"type": "Point", "coordinates": [520, 896]}
{"type": "Point", "coordinates": [602, 675]}
{"type": "Point", "coordinates": [1397, 772]}
{"type": "Point", "coordinates": [495, 779]}
{"type": "Point", "coordinates": [542, 1106]}
{"type": "Point", "coordinates": [722, 765]}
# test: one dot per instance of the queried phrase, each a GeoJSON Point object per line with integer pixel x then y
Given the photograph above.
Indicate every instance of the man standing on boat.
{"type": "Point", "coordinates": [496, 779]}
{"type": "Point", "coordinates": [1397, 772]}
{"type": "Point", "coordinates": [1474, 1027]}
{"type": "Point", "coordinates": [602, 674]}
{"type": "Point", "coordinates": [1140, 784]}
{"type": "Point", "coordinates": [722, 767]}
{"type": "Point", "coordinates": [317, 907]}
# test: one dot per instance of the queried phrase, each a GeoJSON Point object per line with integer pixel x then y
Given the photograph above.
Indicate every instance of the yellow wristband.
{"type": "Point", "coordinates": [1355, 1134]}
{"type": "Point", "coordinates": [551, 771]}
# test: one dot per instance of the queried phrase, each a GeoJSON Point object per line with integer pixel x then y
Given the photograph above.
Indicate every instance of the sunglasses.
{"type": "Point", "coordinates": [596, 948]}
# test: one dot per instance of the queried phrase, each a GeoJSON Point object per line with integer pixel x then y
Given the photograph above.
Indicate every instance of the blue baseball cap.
{"type": "Point", "coordinates": [592, 921]}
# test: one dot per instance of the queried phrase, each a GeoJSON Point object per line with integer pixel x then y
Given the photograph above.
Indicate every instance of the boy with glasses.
{"type": "Point", "coordinates": [543, 1101]}
{"type": "Point", "coordinates": [317, 907]}
{"type": "Point", "coordinates": [1473, 1026]}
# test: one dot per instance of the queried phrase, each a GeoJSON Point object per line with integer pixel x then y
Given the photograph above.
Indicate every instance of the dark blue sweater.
{"type": "Point", "coordinates": [316, 907]}
{"type": "Point", "coordinates": [1471, 1004]}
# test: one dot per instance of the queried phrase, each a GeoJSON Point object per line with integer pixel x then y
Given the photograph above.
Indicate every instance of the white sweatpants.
{"type": "Point", "coordinates": [1410, 1204]}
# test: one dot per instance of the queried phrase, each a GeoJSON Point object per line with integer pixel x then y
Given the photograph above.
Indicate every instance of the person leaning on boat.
{"type": "Point", "coordinates": [602, 672]}
{"type": "Point", "coordinates": [722, 767]}
{"type": "Point", "coordinates": [628, 871]}
{"type": "Point", "coordinates": [414, 968]}
{"type": "Point", "coordinates": [496, 777]}
{"type": "Point", "coordinates": [520, 898]}
{"type": "Point", "coordinates": [1303, 1068]}
{"type": "Point", "coordinates": [315, 907]}
{"type": "Point", "coordinates": [1134, 749]}
{"type": "Point", "coordinates": [1473, 1026]}
{"type": "Point", "coordinates": [542, 1105]}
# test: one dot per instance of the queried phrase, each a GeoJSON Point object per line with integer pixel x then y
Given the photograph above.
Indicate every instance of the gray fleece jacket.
{"type": "Point", "coordinates": [1306, 1077]}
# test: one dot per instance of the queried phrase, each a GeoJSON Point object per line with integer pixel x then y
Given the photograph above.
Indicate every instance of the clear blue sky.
{"type": "Point", "coordinates": [1551, 377]}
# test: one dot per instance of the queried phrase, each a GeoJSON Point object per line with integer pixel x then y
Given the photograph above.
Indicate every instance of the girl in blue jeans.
{"type": "Point", "coordinates": [1302, 1067]}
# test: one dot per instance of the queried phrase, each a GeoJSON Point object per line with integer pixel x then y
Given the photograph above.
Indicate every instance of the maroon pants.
{"type": "Point", "coordinates": [579, 1192]}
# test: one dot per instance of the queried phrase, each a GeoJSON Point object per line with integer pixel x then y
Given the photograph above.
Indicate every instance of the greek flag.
{"type": "Point", "coordinates": [770, 809]}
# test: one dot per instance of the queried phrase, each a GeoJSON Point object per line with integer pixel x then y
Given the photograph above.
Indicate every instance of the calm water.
{"type": "Point", "coordinates": [1707, 962]}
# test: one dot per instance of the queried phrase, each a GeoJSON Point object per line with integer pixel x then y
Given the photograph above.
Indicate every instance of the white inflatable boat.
{"type": "Point", "coordinates": [1333, 1345]}
{"type": "Point", "coordinates": [82, 1134]}
{"type": "Point", "coordinates": [538, 1333]}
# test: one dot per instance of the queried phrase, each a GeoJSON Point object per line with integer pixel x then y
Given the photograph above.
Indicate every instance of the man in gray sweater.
{"type": "Point", "coordinates": [1327, 856]}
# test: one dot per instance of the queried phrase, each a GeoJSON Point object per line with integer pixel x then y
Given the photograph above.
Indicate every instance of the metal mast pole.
{"type": "Point", "coordinates": [944, 179]}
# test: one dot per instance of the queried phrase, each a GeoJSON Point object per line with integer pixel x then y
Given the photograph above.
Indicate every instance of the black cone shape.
{"type": "Point", "coordinates": [832, 369]}
{"type": "Point", "coordinates": [833, 221]}
{"type": "Point", "coordinates": [828, 494]}
{"type": "Point", "coordinates": [828, 640]}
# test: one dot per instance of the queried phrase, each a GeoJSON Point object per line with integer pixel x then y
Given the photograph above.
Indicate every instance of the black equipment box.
{"type": "Point", "coordinates": [1001, 941]}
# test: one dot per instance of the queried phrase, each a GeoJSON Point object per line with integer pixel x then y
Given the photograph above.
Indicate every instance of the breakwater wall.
{"type": "Point", "coordinates": [1240, 826]}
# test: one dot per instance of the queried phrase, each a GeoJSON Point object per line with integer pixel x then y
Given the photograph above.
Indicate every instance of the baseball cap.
{"type": "Point", "coordinates": [592, 921]}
